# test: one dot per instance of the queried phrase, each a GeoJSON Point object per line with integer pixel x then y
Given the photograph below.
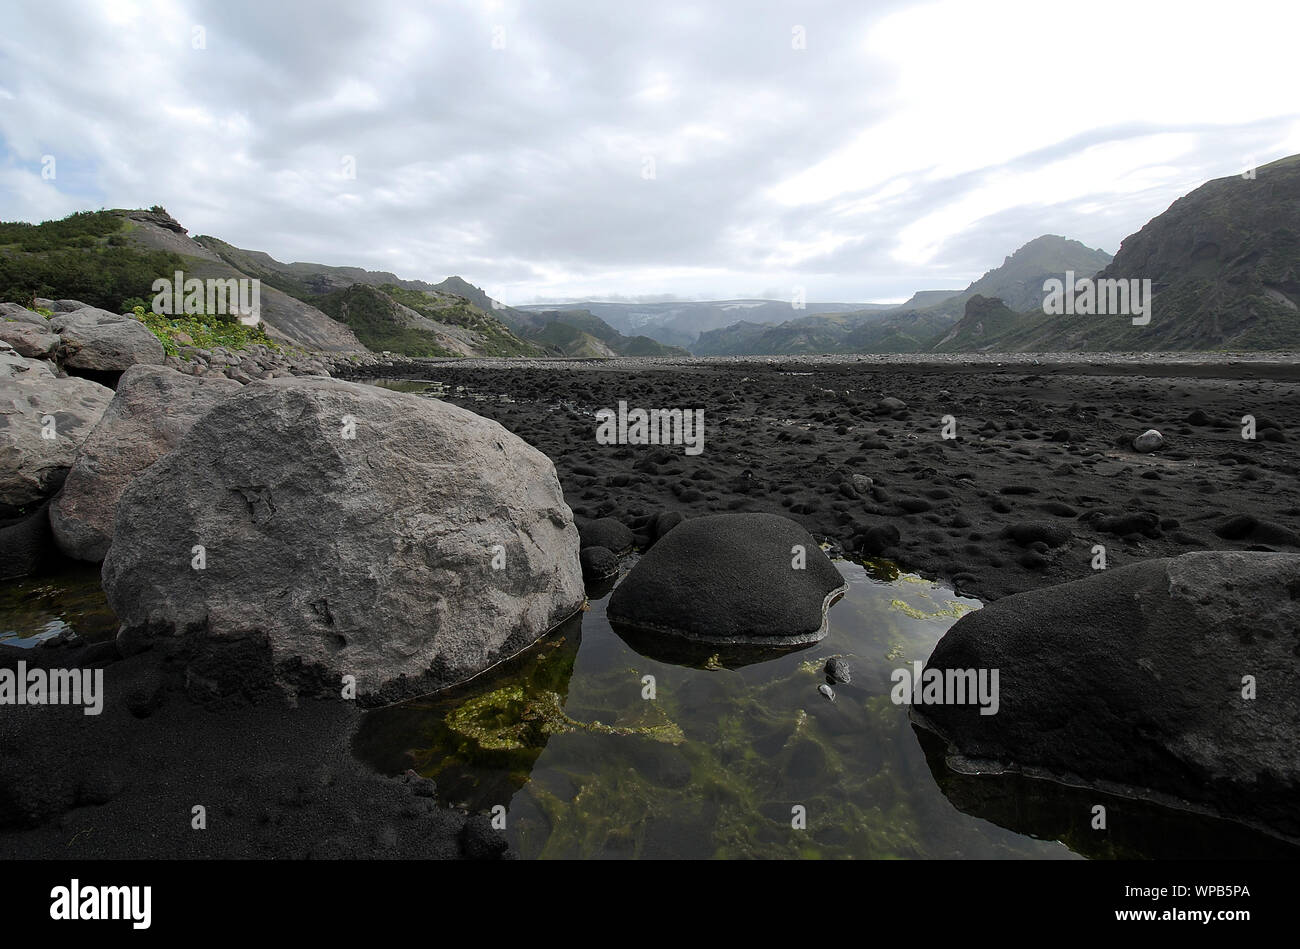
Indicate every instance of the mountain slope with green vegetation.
{"type": "Point", "coordinates": [395, 319]}
{"type": "Point", "coordinates": [86, 256]}
{"type": "Point", "coordinates": [303, 280]}
{"type": "Point", "coordinates": [493, 329]}
{"type": "Point", "coordinates": [989, 325]}
{"type": "Point", "coordinates": [111, 259]}
{"type": "Point", "coordinates": [570, 341]}
{"type": "Point", "coordinates": [579, 332]}
{"type": "Point", "coordinates": [870, 331]}
{"type": "Point", "coordinates": [519, 321]}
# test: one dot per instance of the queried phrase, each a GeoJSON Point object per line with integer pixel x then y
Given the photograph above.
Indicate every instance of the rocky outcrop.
{"type": "Point", "coordinates": [1172, 678]}
{"type": "Point", "coordinates": [98, 341]}
{"type": "Point", "coordinates": [152, 410]}
{"type": "Point", "coordinates": [44, 418]}
{"type": "Point", "coordinates": [343, 530]}
{"type": "Point", "coordinates": [731, 579]}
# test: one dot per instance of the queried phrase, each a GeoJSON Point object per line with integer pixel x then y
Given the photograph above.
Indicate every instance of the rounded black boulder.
{"type": "Point", "coordinates": [604, 532]}
{"type": "Point", "coordinates": [598, 563]}
{"type": "Point", "coordinates": [1174, 676]}
{"type": "Point", "coordinates": [731, 579]}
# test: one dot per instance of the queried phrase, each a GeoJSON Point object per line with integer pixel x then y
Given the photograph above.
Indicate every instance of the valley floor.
{"type": "Point", "coordinates": [1040, 472]}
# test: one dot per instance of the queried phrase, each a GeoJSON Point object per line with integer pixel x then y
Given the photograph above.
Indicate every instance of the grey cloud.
{"type": "Point", "coordinates": [519, 168]}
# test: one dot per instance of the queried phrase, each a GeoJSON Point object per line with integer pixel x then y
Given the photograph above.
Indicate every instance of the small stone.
{"type": "Point", "coordinates": [837, 670]}
{"type": "Point", "coordinates": [827, 691]}
{"type": "Point", "coordinates": [1148, 441]}
{"type": "Point", "coordinates": [598, 563]}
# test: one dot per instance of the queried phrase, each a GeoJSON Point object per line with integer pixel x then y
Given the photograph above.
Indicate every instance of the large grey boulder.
{"type": "Point", "coordinates": [36, 403]}
{"type": "Point", "coordinates": [1136, 679]}
{"type": "Point", "coordinates": [29, 340]}
{"type": "Point", "coordinates": [731, 579]}
{"type": "Point", "coordinates": [346, 530]}
{"type": "Point", "coordinates": [83, 316]}
{"type": "Point", "coordinates": [151, 411]}
{"type": "Point", "coordinates": [20, 314]}
{"type": "Point", "coordinates": [99, 341]}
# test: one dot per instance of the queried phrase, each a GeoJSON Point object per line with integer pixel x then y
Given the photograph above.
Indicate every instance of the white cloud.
{"type": "Point", "coordinates": [910, 145]}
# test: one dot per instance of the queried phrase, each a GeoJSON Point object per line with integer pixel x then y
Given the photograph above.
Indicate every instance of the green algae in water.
{"type": "Point", "coordinates": [511, 720]}
{"type": "Point", "coordinates": [952, 610]}
{"type": "Point", "coordinates": [33, 609]}
{"type": "Point", "coordinates": [714, 763]}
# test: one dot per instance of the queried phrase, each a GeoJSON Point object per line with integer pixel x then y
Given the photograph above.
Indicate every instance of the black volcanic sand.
{"type": "Point", "coordinates": [277, 778]}
{"type": "Point", "coordinates": [1041, 470]}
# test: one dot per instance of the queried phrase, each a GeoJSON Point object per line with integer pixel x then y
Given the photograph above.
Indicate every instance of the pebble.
{"type": "Point", "coordinates": [837, 670]}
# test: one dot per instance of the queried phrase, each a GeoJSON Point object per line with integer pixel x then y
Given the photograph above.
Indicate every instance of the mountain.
{"type": "Point", "coordinates": [680, 322]}
{"type": "Point", "coordinates": [580, 333]}
{"type": "Point", "coordinates": [742, 337]}
{"type": "Point", "coordinates": [518, 320]}
{"type": "Point", "coordinates": [861, 332]}
{"type": "Point", "coordinates": [393, 328]}
{"type": "Point", "coordinates": [1224, 266]}
{"type": "Point", "coordinates": [301, 279]}
{"type": "Point", "coordinates": [393, 318]}
{"type": "Point", "coordinates": [987, 324]}
{"type": "Point", "coordinates": [287, 317]}
{"type": "Point", "coordinates": [111, 258]}
{"type": "Point", "coordinates": [923, 299]}
{"type": "Point", "coordinates": [914, 326]}
{"type": "Point", "coordinates": [1019, 281]}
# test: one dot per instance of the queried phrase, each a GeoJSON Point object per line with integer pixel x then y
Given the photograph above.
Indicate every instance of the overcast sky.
{"type": "Point", "coordinates": [555, 149]}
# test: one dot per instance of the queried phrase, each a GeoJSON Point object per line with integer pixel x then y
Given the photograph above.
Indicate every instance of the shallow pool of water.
{"type": "Point", "coordinates": [588, 761]}
{"type": "Point", "coordinates": [37, 608]}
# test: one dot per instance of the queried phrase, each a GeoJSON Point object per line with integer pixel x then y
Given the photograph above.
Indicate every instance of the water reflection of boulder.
{"type": "Point", "coordinates": [1135, 829]}
{"type": "Point", "coordinates": [675, 651]}
{"type": "Point", "coordinates": [479, 740]}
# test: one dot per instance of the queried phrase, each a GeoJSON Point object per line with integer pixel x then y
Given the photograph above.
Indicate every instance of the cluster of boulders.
{"type": "Point", "coordinates": [259, 361]}
{"type": "Point", "coordinates": [90, 342]}
{"type": "Point", "coordinates": [82, 340]}
{"type": "Point", "coordinates": [330, 534]}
